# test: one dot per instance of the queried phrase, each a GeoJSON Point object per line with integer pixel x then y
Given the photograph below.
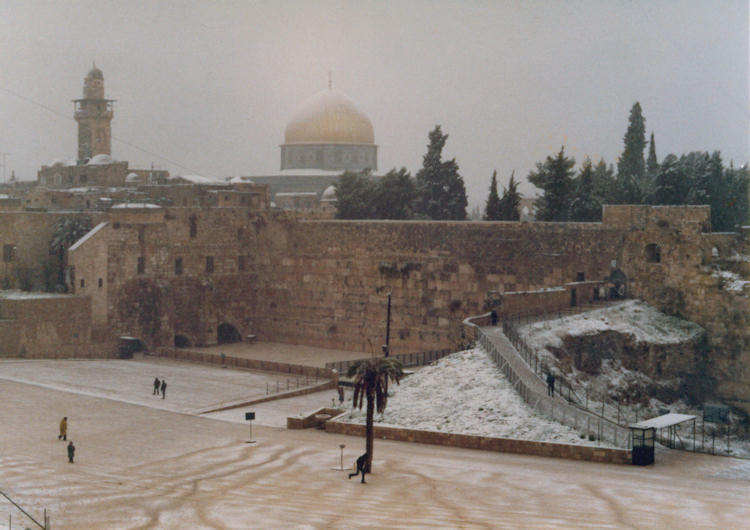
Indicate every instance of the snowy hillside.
{"type": "Point", "coordinates": [466, 393]}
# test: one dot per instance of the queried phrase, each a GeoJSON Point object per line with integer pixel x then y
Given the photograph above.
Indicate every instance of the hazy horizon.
{"type": "Point", "coordinates": [207, 87]}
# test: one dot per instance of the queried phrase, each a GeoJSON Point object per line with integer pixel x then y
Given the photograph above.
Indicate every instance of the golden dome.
{"type": "Point", "coordinates": [329, 117]}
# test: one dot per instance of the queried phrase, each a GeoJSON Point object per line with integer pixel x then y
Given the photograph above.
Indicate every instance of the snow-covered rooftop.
{"type": "Point", "coordinates": [296, 194]}
{"type": "Point", "coordinates": [195, 179]}
{"type": "Point", "coordinates": [135, 205]}
{"type": "Point", "coordinates": [101, 160]}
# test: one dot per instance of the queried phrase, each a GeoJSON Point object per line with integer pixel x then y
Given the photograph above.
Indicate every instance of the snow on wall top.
{"type": "Point", "coordinates": [88, 235]}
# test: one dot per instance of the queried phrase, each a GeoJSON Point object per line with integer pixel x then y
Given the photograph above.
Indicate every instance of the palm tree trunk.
{"type": "Point", "coordinates": [369, 430]}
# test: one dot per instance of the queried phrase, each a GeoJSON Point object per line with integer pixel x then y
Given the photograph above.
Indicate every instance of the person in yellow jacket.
{"type": "Point", "coordinates": [63, 429]}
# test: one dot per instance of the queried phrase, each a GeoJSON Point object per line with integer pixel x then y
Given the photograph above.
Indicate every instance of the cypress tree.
{"type": "Point", "coordinates": [440, 187]}
{"type": "Point", "coordinates": [631, 167]}
{"type": "Point", "coordinates": [510, 203]}
{"type": "Point", "coordinates": [492, 207]}
{"type": "Point", "coordinates": [652, 164]}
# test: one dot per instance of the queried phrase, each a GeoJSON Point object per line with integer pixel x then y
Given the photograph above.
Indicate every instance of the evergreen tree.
{"type": "Point", "coordinates": [440, 188]}
{"type": "Point", "coordinates": [631, 172]}
{"type": "Point", "coordinates": [510, 202]}
{"type": "Point", "coordinates": [603, 183]}
{"type": "Point", "coordinates": [738, 184]}
{"type": "Point", "coordinates": [492, 207]}
{"type": "Point", "coordinates": [394, 195]}
{"type": "Point", "coordinates": [354, 196]}
{"type": "Point", "coordinates": [585, 206]}
{"type": "Point", "coordinates": [652, 164]}
{"type": "Point", "coordinates": [671, 185]}
{"type": "Point", "coordinates": [554, 178]}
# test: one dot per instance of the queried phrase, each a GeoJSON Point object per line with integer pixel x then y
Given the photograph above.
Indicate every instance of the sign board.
{"type": "Point", "coordinates": [715, 413]}
{"type": "Point", "coordinates": [249, 415]}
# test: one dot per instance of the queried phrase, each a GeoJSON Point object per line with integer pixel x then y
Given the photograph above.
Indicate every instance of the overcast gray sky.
{"type": "Point", "coordinates": [209, 86]}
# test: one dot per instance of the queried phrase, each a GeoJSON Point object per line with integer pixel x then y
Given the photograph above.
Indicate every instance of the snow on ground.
{"type": "Point", "coordinates": [732, 281]}
{"type": "Point", "coordinates": [632, 317]}
{"type": "Point", "coordinates": [465, 393]}
{"type": "Point", "coordinates": [191, 388]}
{"type": "Point", "coordinates": [645, 324]}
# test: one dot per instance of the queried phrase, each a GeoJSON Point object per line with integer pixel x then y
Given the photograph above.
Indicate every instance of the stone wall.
{"type": "Point", "coordinates": [48, 326]}
{"type": "Point", "coordinates": [486, 443]}
{"type": "Point", "coordinates": [30, 233]}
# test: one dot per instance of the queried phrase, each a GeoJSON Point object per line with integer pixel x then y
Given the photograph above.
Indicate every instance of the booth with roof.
{"type": "Point", "coordinates": [644, 435]}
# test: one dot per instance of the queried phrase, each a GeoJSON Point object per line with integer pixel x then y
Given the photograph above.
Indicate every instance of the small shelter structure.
{"type": "Point", "coordinates": [644, 434]}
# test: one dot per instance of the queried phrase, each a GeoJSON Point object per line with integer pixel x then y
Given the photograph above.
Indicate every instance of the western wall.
{"type": "Point", "coordinates": [282, 278]}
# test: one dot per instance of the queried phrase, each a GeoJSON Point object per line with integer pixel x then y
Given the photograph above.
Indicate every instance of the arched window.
{"type": "Point", "coordinates": [653, 253]}
{"type": "Point", "coordinates": [193, 226]}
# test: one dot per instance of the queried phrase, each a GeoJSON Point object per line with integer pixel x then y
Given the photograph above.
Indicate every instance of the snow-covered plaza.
{"type": "Point", "coordinates": [147, 462]}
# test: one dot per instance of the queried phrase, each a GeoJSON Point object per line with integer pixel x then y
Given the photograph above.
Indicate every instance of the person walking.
{"type": "Point", "coordinates": [63, 429]}
{"type": "Point", "coordinates": [71, 452]}
{"type": "Point", "coordinates": [157, 385]}
{"type": "Point", "coordinates": [163, 388]}
{"type": "Point", "coordinates": [550, 384]}
{"type": "Point", "coordinates": [361, 465]}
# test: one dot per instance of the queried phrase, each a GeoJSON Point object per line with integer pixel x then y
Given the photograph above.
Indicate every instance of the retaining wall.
{"type": "Point", "coordinates": [485, 443]}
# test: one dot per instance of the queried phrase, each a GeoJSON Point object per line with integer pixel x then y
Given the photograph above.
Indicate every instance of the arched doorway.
{"type": "Point", "coordinates": [181, 341]}
{"type": "Point", "coordinates": [618, 285]}
{"type": "Point", "coordinates": [227, 334]}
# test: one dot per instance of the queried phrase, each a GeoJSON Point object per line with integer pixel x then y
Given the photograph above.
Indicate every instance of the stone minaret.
{"type": "Point", "coordinates": [93, 114]}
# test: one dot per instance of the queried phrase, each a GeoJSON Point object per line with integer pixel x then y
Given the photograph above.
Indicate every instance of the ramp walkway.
{"type": "Point", "coordinates": [534, 392]}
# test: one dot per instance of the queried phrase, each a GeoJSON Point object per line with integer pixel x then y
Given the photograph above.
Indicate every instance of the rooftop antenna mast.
{"type": "Point", "coordinates": [3, 165]}
{"type": "Point", "coordinates": [330, 80]}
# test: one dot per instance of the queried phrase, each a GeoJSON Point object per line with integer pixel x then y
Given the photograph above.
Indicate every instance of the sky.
{"type": "Point", "coordinates": [207, 87]}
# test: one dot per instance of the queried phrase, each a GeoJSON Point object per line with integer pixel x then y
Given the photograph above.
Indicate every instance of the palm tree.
{"type": "Point", "coordinates": [371, 378]}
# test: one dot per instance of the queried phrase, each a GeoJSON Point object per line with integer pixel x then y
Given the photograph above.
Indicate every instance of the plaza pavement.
{"type": "Point", "coordinates": [144, 462]}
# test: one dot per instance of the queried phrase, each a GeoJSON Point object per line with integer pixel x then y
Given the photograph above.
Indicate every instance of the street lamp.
{"type": "Point", "coordinates": [386, 346]}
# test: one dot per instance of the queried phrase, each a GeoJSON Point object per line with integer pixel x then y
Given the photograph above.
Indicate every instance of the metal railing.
{"type": "Point", "coordinates": [407, 359]}
{"type": "Point", "coordinates": [593, 426]}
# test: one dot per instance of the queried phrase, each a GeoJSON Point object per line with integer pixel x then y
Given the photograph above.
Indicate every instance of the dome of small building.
{"type": "Point", "coordinates": [329, 194]}
{"type": "Point", "coordinates": [101, 160]}
{"type": "Point", "coordinates": [132, 177]}
{"type": "Point", "coordinates": [95, 73]}
{"type": "Point", "coordinates": [329, 117]}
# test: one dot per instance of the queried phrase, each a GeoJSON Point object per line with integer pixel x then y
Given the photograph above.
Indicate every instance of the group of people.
{"type": "Point", "coordinates": [64, 437]}
{"type": "Point", "coordinates": [160, 385]}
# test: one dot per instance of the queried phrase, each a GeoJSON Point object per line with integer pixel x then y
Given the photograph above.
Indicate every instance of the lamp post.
{"type": "Point", "coordinates": [386, 346]}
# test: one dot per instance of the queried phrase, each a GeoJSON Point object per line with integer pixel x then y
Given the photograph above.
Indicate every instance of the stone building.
{"type": "Point", "coordinates": [95, 165]}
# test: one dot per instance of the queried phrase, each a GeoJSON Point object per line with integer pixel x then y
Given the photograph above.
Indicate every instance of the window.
{"type": "Point", "coordinates": [580, 276]}
{"type": "Point", "coordinates": [178, 266]}
{"type": "Point", "coordinates": [101, 282]}
{"type": "Point", "coordinates": [193, 226]}
{"type": "Point", "coordinates": [141, 265]}
{"type": "Point", "coordinates": [241, 262]}
{"type": "Point", "coordinates": [141, 233]}
{"type": "Point", "coordinates": [653, 253]}
{"type": "Point", "coordinates": [83, 283]}
{"type": "Point", "coordinates": [9, 253]}
{"type": "Point", "coordinates": [209, 263]}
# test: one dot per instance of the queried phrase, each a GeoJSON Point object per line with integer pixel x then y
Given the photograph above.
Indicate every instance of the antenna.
{"type": "Point", "coordinates": [330, 80]}
{"type": "Point", "coordinates": [3, 165]}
